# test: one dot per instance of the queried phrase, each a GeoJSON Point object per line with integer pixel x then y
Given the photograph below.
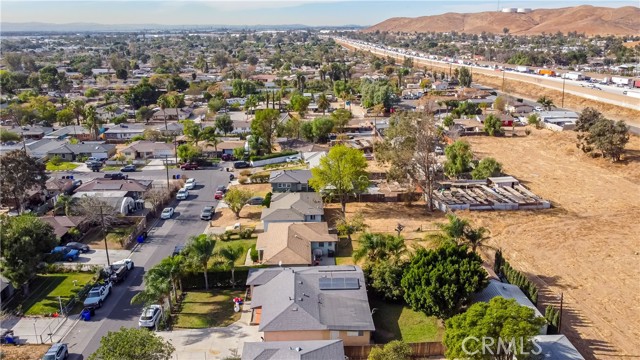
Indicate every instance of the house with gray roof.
{"type": "Point", "coordinates": [290, 181]}
{"type": "Point", "coordinates": [294, 350]}
{"type": "Point", "coordinates": [134, 189]}
{"type": "Point", "coordinates": [311, 303]}
{"type": "Point", "coordinates": [122, 132]}
{"type": "Point", "coordinates": [72, 152]}
{"type": "Point", "coordinates": [508, 291]}
{"type": "Point", "coordinates": [297, 244]}
{"type": "Point", "coordinates": [554, 347]}
{"type": "Point", "coordinates": [147, 149]}
{"type": "Point", "coordinates": [79, 132]}
{"type": "Point", "coordinates": [293, 207]}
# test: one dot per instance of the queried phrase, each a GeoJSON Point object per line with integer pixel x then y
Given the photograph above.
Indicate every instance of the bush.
{"type": "Point", "coordinates": [245, 172]}
{"type": "Point", "coordinates": [245, 233]}
{"type": "Point", "coordinates": [267, 200]}
{"type": "Point", "coordinates": [254, 253]}
{"type": "Point", "coordinates": [56, 160]}
{"type": "Point", "coordinates": [259, 178]}
{"type": "Point", "coordinates": [243, 180]}
{"type": "Point", "coordinates": [274, 155]}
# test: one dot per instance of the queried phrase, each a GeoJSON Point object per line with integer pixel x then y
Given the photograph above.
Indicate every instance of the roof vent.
{"type": "Point", "coordinates": [299, 299]}
{"type": "Point", "coordinates": [298, 349]}
{"type": "Point", "coordinates": [294, 309]}
{"type": "Point", "coordinates": [300, 282]}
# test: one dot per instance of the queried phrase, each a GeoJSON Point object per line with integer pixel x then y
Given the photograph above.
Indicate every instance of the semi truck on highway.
{"type": "Point", "coordinates": [522, 69]}
{"type": "Point", "coordinates": [546, 72]}
{"type": "Point", "coordinates": [621, 81]}
{"type": "Point", "coordinates": [573, 76]}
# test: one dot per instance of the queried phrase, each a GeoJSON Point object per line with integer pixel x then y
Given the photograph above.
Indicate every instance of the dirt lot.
{"type": "Point", "coordinates": [23, 352]}
{"type": "Point", "coordinates": [585, 247]}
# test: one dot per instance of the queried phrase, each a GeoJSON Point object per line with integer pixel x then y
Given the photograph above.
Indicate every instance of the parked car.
{"type": "Point", "coordinates": [190, 184]}
{"type": "Point", "coordinates": [291, 159]}
{"type": "Point", "coordinates": [241, 165]}
{"type": "Point", "coordinates": [97, 295]}
{"type": "Point", "coordinates": [231, 177]}
{"type": "Point", "coordinates": [57, 351]}
{"type": "Point", "coordinates": [218, 195]}
{"type": "Point", "coordinates": [177, 249]}
{"type": "Point", "coordinates": [182, 194]}
{"type": "Point", "coordinates": [116, 176]}
{"type": "Point", "coordinates": [128, 263]}
{"type": "Point", "coordinates": [150, 316]}
{"type": "Point", "coordinates": [206, 213]}
{"type": "Point", "coordinates": [167, 213]}
{"type": "Point", "coordinates": [68, 254]}
{"type": "Point", "coordinates": [222, 188]}
{"type": "Point", "coordinates": [128, 168]}
{"type": "Point", "coordinates": [93, 158]}
{"type": "Point", "coordinates": [227, 157]}
{"type": "Point", "coordinates": [117, 273]}
{"type": "Point", "coordinates": [189, 166]}
{"type": "Point", "coordinates": [256, 200]}
{"type": "Point", "coordinates": [78, 246]}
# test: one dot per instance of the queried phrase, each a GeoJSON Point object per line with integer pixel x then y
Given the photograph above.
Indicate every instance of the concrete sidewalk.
{"type": "Point", "coordinates": [39, 330]}
{"type": "Point", "coordinates": [213, 343]}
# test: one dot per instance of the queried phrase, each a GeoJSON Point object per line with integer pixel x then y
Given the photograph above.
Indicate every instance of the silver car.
{"type": "Point", "coordinates": [150, 316]}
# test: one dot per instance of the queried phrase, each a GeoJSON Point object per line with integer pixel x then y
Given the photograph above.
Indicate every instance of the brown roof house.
{"type": "Point", "coordinates": [293, 207]}
{"type": "Point", "coordinates": [297, 244]}
{"type": "Point", "coordinates": [311, 303]}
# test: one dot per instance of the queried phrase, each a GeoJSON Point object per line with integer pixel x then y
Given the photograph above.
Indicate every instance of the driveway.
{"type": "Point", "coordinates": [213, 343]}
{"type": "Point", "coordinates": [157, 164]}
{"type": "Point", "coordinates": [98, 257]}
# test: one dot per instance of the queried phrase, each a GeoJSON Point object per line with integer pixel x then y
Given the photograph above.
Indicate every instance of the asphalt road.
{"type": "Point", "coordinates": [117, 312]}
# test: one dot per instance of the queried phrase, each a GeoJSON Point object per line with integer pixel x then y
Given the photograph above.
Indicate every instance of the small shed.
{"type": "Point", "coordinates": [503, 181]}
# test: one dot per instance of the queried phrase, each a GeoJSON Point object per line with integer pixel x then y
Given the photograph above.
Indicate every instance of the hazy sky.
{"type": "Point", "coordinates": [239, 12]}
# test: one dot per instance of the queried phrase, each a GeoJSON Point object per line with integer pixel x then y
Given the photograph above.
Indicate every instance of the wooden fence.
{"type": "Point", "coordinates": [420, 351]}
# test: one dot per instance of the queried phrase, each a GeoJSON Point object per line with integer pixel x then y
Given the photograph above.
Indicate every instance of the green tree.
{"type": "Point", "coordinates": [199, 250]}
{"type": "Point", "coordinates": [499, 319]}
{"type": "Point", "coordinates": [384, 278]}
{"type": "Point", "coordinates": [216, 104]}
{"type": "Point", "coordinates": [475, 237]}
{"type": "Point", "coordinates": [188, 153]}
{"type": "Point", "coordinates": [377, 246]}
{"type": "Point", "coordinates": [465, 77]}
{"type": "Point", "coordinates": [64, 205]}
{"type": "Point", "coordinates": [439, 282]}
{"type": "Point", "coordinates": [487, 167]}
{"type": "Point", "coordinates": [91, 92]}
{"type": "Point", "coordinates": [6, 135]}
{"type": "Point", "coordinates": [77, 106]}
{"type": "Point", "coordinates": [144, 114]}
{"type": "Point", "coordinates": [192, 130]}
{"type": "Point", "coordinates": [500, 103]}
{"type": "Point", "coordinates": [264, 127]}
{"type": "Point", "coordinates": [142, 94]}
{"type": "Point", "coordinates": [374, 93]}
{"type": "Point", "coordinates": [321, 127]}
{"type": "Point", "coordinates": [395, 350]}
{"type": "Point", "coordinates": [157, 287]}
{"type": "Point", "coordinates": [24, 240]}
{"type": "Point", "coordinates": [341, 173]}
{"type": "Point", "coordinates": [545, 102]}
{"type": "Point", "coordinates": [65, 117]}
{"type": "Point", "coordinates": [133, 344]}
{"type": "Point", "coordinates": [236, 199]}
{"type": "Point", "coordinates": [448, 121]}
{"type": "Point", "coordinates": [454, 229]}
{"type": "Point", "coordinates": [341, 119]}
{"type": "Point", "coordinates": [493, 125]}
{"type": "Point", "coordinates": [92, 121]}
{"type": "Point", "coordinates": [347, 227]}
{"type": "Point", "coordinates": [224, 124]}
{"type": "Point", "coordinates": [229, 255]}
{"type": "Point", "coordinates": [459, 158]}
{"type": "Point", "coordinates": [534, 120]}
{"type": "Point", "coordinates": [20, 173]}
{"type": "Point", "coordinates": [299, 103]}
{"type": "Point", "coordinates": [609, 137]}
{"type": "Point", "coordinates": [323, 103]}
{"type": "Point", "coordinates": [164, 102]}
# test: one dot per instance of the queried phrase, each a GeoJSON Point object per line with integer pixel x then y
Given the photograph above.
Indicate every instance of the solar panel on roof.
{"type": "Point", "coordinates": [339, 283]}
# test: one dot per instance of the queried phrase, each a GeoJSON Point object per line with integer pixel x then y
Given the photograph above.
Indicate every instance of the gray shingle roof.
{"type": "Point", "coordinates": [293, 301]}
{"type": "Point", "coordinates": [555, 347]}
{"type": "Point", "coordinates": [82, 148]}
{"type": "Point", "coordinates": [294, 350]}
{"type": "Point", "coordinates": [293, 207]}
{"type": "Point", "coordinates": [507, 291]}
{"type": "Point", "coordinates": [290, 176]}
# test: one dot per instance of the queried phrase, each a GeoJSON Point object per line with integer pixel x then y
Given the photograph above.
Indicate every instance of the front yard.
{"type": "Point", "coordinates": [398, 322]}
{"type": "Point", "coordinates": [65, 166]}
{"type": "Point", "coordinates": [205, 309]}
{"type": "Point", "coordinates": [115, 236]}
{"type": "Point", "coordinates": [46, 289]}
{"type": "Point", "coordinates": [245, 243]}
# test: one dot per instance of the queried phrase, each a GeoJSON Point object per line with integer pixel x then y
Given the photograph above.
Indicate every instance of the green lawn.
{"type": "Point", "coordinates": [65, 166]}
{"type": "Point", "coordinates": [46, 288]}
{"type": "Point", "coordinates": [399, 322]}
{"type": "Point", "coordinates": [246, 244]}
{"type": "Point", "coordinates": [344, 252]}
{"type": "Point", "coordinates": [205, 309]}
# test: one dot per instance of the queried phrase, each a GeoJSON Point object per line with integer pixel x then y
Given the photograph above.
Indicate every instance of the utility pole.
{"type": "Point", "coordinates": [564, 79]}
{"type": "Point", "coordinates": [503, 73]}
{"type": "Point", "coordinates": [104, 235]}
{"type": "Point", "coordinates": [166, 166]}
{"type": "Point", "coordinates": [175, 147]}
{"type": "Point", "coordinates": [560, 317]}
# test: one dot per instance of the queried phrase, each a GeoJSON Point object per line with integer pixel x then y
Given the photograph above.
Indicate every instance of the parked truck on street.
{"type": "Point", "coordinates": [97, 295]}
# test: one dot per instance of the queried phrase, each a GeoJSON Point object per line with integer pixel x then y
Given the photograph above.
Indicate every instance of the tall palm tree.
{"type": "Point", "coordinates": [545, 102]}
{"type": "Point", "coordinates": [92, 121]}
{"type": "Point", "coordinates": [229, 255]}
{"type": "Point", "coordinates": [157, 288]}
{"type": "Point", "coordinates": [199, 250]}
{"type": "Point", "coordinates": [163, 103]}
{"type": "Point", "coordinates": [372, 246]}
{"type": "Point", "coordinates": [77, 106]}
{"type": "Point", "coordinates": [323, 103]}
{"type": "Point", "coordinates": [476, 237]}
{"type": "Point", "coordinates": [174, 267]}
{"type": "Point", "coordinates": [64, 203]}
{"type": "Point", "coordinates": [175, 100]}
{"type": "Point", "coordinates": [455, 228]}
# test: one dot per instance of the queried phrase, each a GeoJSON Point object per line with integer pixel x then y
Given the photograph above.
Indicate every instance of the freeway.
{"type": "Point", "coordinates": [84, 337]}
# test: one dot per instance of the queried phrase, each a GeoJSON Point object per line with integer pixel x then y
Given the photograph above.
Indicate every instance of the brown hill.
{"type": "Point", "coordinates": [586, 19]}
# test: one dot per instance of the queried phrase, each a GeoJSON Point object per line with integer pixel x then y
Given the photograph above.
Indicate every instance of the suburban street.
{"type": "Point", "coordinates": [117, 312]}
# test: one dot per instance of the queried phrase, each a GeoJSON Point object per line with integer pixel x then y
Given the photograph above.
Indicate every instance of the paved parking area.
{"type": "Point", "coordinates": [98, 257]}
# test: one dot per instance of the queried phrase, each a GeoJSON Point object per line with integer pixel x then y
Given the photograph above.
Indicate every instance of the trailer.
{"type": "Point", "coordinates": [522, 69]}
{"type": "Point", "coordinates": [605, 81]}
{"type": "Point", "coordinates": [546, 72]}
{"type": "Point", "coordinates": [573, 76]}
{"type": "Point", "coordinates": [636, 83]}
{"type": "Point", "coordinates": [621, 81]}
{"type": "Point", "coordinates": [633, 94]}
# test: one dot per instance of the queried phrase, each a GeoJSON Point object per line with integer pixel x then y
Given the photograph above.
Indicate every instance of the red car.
{"type": "Point", "coordinates": [218, 196]}
{"type": "Point", "coordinates": [189, 166]}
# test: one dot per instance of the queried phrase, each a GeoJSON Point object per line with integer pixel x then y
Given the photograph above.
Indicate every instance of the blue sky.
{"type": "Point", "coordinates": [239, 12]}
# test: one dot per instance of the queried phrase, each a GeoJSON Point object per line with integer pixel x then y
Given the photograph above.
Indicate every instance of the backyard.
{"type": "Point", "coordinates": [205, 309]}
{"type": "Point", "coordinates": [245, 243]}
{"type": "Point", "coordinates": [45, 290]}
{"type": "Point", "coordinates": [395, 321]}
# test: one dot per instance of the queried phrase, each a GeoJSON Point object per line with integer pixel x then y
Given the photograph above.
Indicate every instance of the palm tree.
{"type": "Point", "coordinates": [455, 228]}
{"type": "Point", "coordinates": [199, 250]}
{"type": "Point", "coordinates": [157, 288]}
{"type": "Point", "coordinates": [323, 103]}
{"type": "Point", "coordinates": [229, 255]}
{"type": "Point", "coordinates": [64, 203]}
{"type": "Point", "coordinates": [92, 121]}
{"type": "Point", "coordinates": [476, 237]}
{"type": "Point", "coordinates": [174, 267]}
{"type": "Point", "coordinates": [175, 100]}
{"type": "Point", "coordinates": [163, 103]}
{"type": "Point", "coordinates": [372, 246]}
{"type": "Point", "coordinates": [213, 141]}
{"type": "Point", "coordinates": [546, 103]}
{"type": "Point", "coordinates": [77, 106]}
{"type": "Point", "coordinates": [395, 247]}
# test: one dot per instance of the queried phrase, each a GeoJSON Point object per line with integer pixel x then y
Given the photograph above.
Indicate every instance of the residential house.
{"type": "Point", "coordinates": [294, 350]}
{"type": "Point", "coordinates": [62, 224]}
{"type": "Point", "coordinates": [519, 108]}
{"type": "Point", "coordinates": [172, 114]}
{"type": "Point", "coordinates": [39, 149]}
{"type": "Point", "coordinates": [122, 132]}
{"type": "Point", "coordinates": [30, 132]}
{"type": "Point", "coordinates": [311, 303]}
{"type": "Point", "coordinates": [103, 112]}
{"type": "Point", "coordinates": [297, 244]}
{"type": "Point", "coordinates": [119, 200]}
{"type": "Point", "coordinates": [172, 129]}
{"type": "Point", "coordinates": [508, 291]}
{"type": "Point", "coordinates": [312, 158]}
{"type": "Point", "coordinates": [555, 347]}
{"type": "Point", "coordinates": [147, 149]}
{"type": "Point", "coordinates": [463, 127]}
{"type": "Point", "coordinates": [134, 189]}
{"type": "Point", "coordinates": [241, 127]}
{"type": "Point", "coordinates": [558, 120]}
{"type": "Point", "coordinates": [56, 187]}
{"type": "Point", "coordinates": [507, 119]}
{"type": "Point", "coordinates": [73, 152]}
{"type": "Point", "coordinates": [293, 207]}
{"type": "Point", "coordinates": [290, 181]}
{"type": "Point", "coordinates": [225, 147]}
{"type": "Point", "coordinates": [79, 132]}
{"type": "Point", "coordinates": [440, 85]}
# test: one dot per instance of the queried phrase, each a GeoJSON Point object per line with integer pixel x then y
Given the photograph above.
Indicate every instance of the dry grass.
{"type": "Point", "coordinates": [23, 352]}
{"type": "Point", "coordinates": [249, 216]}
{"type": "Point", "coordinates": [257, 189]}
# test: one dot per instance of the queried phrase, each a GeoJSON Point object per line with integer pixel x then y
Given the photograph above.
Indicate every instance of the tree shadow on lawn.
{"type": "Point", "coordinates": [385, 318]}
{"type": "Point", "coordinates": [37, 301]}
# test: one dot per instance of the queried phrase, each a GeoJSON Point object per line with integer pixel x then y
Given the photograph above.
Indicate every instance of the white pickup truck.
{"type": "Point", "coordinates": [97, 295]}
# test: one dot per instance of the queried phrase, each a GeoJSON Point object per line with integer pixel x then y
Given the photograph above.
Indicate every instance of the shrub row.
{"type": "Point", "coordinates": [218, 278]}
{"type": "Point", "coordinates": [274, 155]}
{"type": "Point", "coordinates": [515, 277]}
{"type": "Point", "coordinates": [259, 178]}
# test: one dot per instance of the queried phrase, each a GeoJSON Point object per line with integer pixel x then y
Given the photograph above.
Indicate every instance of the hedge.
{"type": "Point", "coordinates": [274, 155]}
{"type": "Point", "coordinates": [218, 278]}
{"type": "Point", "coordinates": [259, 178]}
{"type": "Point", "coordinates": [515, 277]}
